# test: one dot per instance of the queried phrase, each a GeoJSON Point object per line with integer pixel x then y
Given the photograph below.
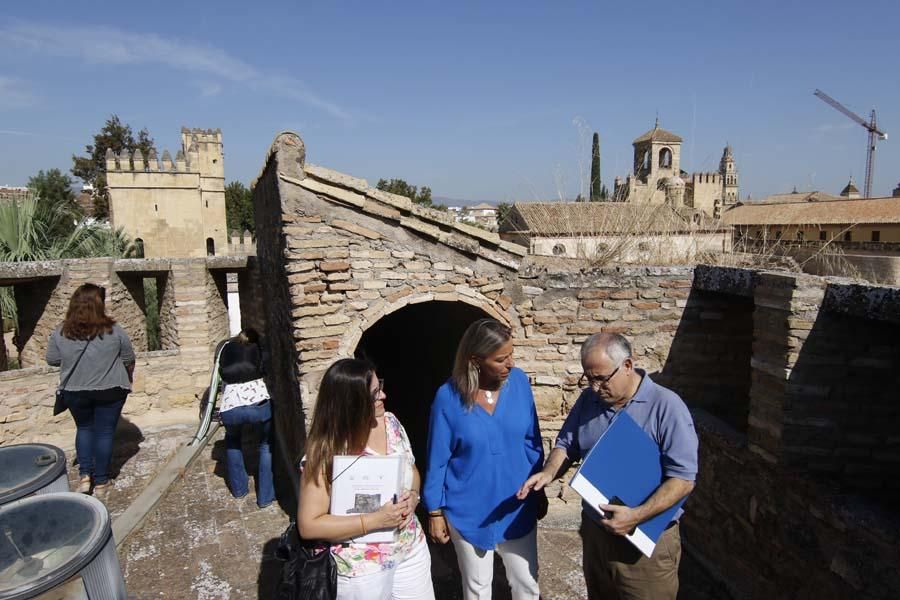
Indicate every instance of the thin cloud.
{"type": "Point", "coordinates": [15, 93]}
{"type": "Point", "coordinates": [108, 46]}
{"type": "Point", "coordinates": [208, 89]}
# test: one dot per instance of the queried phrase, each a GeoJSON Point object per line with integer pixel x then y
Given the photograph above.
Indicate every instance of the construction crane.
{"type": "Point", "coordinates": [871, 126]}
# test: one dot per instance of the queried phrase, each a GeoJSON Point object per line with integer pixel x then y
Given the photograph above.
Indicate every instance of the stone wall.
{"type": "Point", "coordinates": [769, 533]}
{"type": "Point", "coordinates": [165, 297]}
{"type": "Point", "coordinates": [163, 380]}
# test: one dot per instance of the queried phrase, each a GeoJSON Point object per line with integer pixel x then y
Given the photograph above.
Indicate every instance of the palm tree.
{"type": "Point", "coordinates": [32, 229]}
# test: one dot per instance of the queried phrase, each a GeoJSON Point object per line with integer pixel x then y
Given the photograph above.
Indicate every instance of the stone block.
{"type": "Point", "coordinates": [342, 287]}
{"type": "Point", "coordinates": [318, 332]}
{"type": "Point", "coordinates": [357, 229]}
{"type": "Point", "coordinates": [393, 275]}
{"type": "Point", "coordinates": [332, 266]}
{"type": "Point", "coordinates": [374, 285]}
{"type": "Point", "coordinates": [645, 305]}
{"type": "Point", "coordinates": [318, 242]}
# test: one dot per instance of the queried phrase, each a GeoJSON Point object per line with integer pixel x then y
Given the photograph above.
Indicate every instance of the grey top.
{"type": "Point", "coordinates": [101, 368]}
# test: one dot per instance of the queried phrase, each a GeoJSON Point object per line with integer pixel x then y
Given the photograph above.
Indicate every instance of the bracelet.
{"type": "Point", "coordinates": [436, 513]}
{"type": "Point", "coordinates": [363, 523]}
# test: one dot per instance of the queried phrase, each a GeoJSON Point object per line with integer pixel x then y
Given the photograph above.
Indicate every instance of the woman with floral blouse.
{"type": "Point", "coordinates": [350, 419]}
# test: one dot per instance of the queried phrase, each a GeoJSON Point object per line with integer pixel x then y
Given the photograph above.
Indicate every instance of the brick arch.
{"type": "Point", "coordinates": [368, 318]}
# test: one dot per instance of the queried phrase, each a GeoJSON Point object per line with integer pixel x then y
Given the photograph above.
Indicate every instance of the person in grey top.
{"type": "Point", "coordinates": [96, 363]}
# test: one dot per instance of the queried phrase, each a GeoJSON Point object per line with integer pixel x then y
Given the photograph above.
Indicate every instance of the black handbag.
{"type": "Point", "coordinates": [59, 403]}
{"type": "Point", "coordinates": [308, 571]}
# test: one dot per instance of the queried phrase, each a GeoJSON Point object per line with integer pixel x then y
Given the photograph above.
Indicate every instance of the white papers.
{"type": "Point", "coordinates": [362, 484]}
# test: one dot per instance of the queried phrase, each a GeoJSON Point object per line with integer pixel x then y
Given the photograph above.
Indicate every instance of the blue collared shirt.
{"type": "Point", "coordinates": [659, 411]}
{"type": "Point", "coordinates": [478, 461]}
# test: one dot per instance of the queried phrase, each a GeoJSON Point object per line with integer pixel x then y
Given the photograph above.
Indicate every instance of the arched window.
{"type": "Point", "coordinates": [138, 248]}
{"type": "Point", "coordinates": [665, 159]}
{"type": "Point", "coordinates": [210, 247]}
{"type": "Point", "coordinates": [559, 250]}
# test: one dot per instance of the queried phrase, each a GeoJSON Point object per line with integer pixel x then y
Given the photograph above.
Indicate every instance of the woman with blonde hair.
{"type": "Point", "coordinates": [350, 419]}
{"type": "Point", "coordinates": [96, 363]}
{"type": "Point", "coordinates": [483, 438]}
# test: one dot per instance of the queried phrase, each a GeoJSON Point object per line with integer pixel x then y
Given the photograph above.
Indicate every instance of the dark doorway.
{"type": "Point", "coordinates": [413, 350]}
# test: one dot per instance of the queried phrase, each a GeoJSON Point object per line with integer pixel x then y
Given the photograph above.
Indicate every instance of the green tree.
{"type": "Point", "coordinates": [399, 186]}
{"type": "Point", "coordinates": [503, 210]}
{"type": "Point", "coordinates": [92, 168]}
{"type": "Point", "coordinates": [53, 187]}
{"type": "Point", "coordinates": [239, 208]}
{"type": "Point", "coordinates": [596, 186]}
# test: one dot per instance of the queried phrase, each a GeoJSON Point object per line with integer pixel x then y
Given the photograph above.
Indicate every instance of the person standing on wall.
{"type": "Point", "coordinates": [245, 401]}
{"type": "Point", "coordinates": [96, 363]}
{"type": "Point", "coordinates": [613, 568]}
{"type": "Point", "coordinates": [483, 441]}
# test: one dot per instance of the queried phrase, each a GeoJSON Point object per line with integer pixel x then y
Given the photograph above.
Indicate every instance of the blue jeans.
{"type": "Point", "coordinates": [96, 414]}
{"type": "Point", "coordinates": [260, 416]}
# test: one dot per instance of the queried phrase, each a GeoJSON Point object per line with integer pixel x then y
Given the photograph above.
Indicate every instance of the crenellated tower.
{"type": "Point", "coordinates": [173, 207]}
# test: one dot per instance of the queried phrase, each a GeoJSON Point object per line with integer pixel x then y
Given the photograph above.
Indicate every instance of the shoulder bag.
{"type": "Point", "coordinates": [308, 571]}
{"type": "Point", "coordinates": [59, 404]}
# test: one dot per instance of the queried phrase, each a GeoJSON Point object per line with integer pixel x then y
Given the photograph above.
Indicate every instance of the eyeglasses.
{"type": "Point", "coordinates": [596, 382]}
{"type": "Point", "coordinates": [378, 391]}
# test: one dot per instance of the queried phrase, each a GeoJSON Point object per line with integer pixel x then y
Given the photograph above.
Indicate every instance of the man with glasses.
{"type": "Point", "coordinates": [613, 568]}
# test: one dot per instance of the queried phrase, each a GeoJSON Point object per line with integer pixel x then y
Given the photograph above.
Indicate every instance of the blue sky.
{"type": "Point", "coordinates": [480, 101]}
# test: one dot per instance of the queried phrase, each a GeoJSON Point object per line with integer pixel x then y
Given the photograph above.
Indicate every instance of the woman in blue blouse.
{"type": "Point", "coordinates": [483, 439]}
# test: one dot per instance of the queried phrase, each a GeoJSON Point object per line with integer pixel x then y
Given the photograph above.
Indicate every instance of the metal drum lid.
{"type": "Point", "coordinates": [46, 539]}
{"type": "Point", "coordinates": [26, 468]}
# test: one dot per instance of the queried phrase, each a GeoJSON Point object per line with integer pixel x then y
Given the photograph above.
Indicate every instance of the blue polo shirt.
{"type": "Point", "coordinates": [478, 461]}
{"type": "Point", "coordinates": [659, 411]}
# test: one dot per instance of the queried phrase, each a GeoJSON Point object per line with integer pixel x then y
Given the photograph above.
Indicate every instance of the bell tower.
{"type": "Point", "coordinates": [728, 171]}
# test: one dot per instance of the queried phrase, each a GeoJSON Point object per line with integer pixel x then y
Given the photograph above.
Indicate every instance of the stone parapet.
{"type": "Point", "coordinates": [193, 319]}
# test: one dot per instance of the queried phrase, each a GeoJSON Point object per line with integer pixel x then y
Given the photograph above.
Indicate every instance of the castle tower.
{"type": "Point", "coordinates": [208, 144]}
{"type": "Point", "coordinates": [174, 208]}
{"type": "Point", "coordinates": [729, 174]}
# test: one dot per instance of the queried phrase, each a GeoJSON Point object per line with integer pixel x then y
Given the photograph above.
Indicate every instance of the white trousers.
{"type": "Point", "coordinates": [477, 566]}
{"type": "Point", "coordinates": [407, 580]}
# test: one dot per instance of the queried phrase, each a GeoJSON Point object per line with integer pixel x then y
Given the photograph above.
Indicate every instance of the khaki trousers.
{"type": "Point", "coordinates": [616, 570]}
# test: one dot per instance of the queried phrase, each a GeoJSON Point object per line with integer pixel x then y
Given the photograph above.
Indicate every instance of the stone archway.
{"type": "Point", "coordinates": [413, 349]}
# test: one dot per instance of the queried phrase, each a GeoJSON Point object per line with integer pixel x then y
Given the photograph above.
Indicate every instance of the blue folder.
{"type": "Point", "coordinates": [625, 464]}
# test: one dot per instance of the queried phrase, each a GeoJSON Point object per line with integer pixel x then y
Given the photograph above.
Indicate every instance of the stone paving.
{"type": "Point", "coordinates": [202, 543]}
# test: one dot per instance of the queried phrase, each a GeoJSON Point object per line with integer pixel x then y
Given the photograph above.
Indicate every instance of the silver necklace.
{"type": "Point", "coordinates": [489, 396]}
